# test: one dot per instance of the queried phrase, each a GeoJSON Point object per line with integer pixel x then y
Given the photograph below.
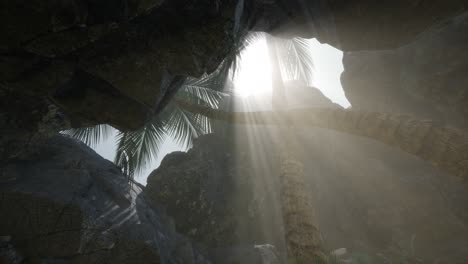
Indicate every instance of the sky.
{"type": "Point", "coordinates": [107, 150]}
{"type": "Point", "coordinates": [254, 77]}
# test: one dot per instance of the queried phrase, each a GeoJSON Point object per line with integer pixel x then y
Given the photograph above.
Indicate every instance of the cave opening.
{"type": "Point", "coordinates": [232, 131]}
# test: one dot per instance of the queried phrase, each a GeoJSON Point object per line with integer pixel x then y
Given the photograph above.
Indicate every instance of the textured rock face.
{"type": "Point", "coordinates": [426, 78]}
{"type": "Point", "coordinates": [367, 24]}
{"type": "Point", "coordinates": [111, 62]}
{"type": "Point", "coordinates": [66, 204]}
{"type": "Point", "coordinates": [357, 24]}
{"type": "Point", "coordinates": [208, 192]}
{"type": "Point", "coordinates": [369, 198]}
{"type": "Point", "coordinates": [95, 59]}
{"type": "Point", "coordinates": [26, 121]}
{"type": "Point", "coordinates": [55, 16]}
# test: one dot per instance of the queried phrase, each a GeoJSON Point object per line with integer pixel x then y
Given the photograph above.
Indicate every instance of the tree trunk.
{"type": "Point", "coordinates": [444, 147]}
{"type": "Point", "coordinates": [303, 239]}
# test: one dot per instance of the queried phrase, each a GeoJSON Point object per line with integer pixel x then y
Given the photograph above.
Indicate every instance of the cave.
{"type": "Point", "coordinates": [233, 131]}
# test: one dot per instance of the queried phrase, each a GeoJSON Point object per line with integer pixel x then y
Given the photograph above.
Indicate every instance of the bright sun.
{"type": "Point", "coordinates": [254, 75]}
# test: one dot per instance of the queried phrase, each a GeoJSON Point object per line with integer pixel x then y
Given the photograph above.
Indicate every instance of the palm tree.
{"type": "Point", "coordinates": [136, 149]}
{"type": "Point", "coordinates": [444, 147]}
{"type": "Point", "coordinates": [303, 240]}
{"type": "Point", "coordinates": [189, 113]}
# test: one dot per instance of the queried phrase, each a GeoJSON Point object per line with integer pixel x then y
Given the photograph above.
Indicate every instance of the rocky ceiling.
{"type": "Point", "coordinates": [106, 62]}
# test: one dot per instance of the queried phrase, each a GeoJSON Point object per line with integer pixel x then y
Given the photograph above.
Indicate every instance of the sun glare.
{"type": "Point", "coordinates": [254, 73]}
{"type": "Point", "coordinates": [254, 70]}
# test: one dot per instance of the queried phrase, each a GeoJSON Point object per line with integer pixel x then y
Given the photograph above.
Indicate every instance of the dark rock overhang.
{"type": "Point", "coordinates": [115, 55]}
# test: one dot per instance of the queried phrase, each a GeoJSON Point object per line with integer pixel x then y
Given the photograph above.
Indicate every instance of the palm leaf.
{"type": "Point", "coordinates": [295, 58]}
{"type": "Point", "coordinates": [91, 136]}
{"type": "Point", "coordinates": [136, 149]}
{"type": "Point", "coordinates": [201, 90]}
{"type": "Point", "coordinates": [184, 126]}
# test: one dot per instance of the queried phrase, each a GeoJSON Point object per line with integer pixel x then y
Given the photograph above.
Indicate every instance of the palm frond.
{"type": "Point", "coordinates": [201, 90]}
{"type": "Point", "coordinates": [123, 157]}
{"type": "Point", "coordinates": [296, 61]}
{"type": "Point", "coordinates": [91, 136]}
{"type": "Point", "coordinates": [229, 67]}
{"type": "Point", "coordinates": [183, 126]}
{"type": "Point", "coordinates": [136, 149]}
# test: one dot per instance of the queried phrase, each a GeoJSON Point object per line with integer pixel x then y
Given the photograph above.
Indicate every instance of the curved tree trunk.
{"type": "Point", "coordinates": [444, 147]}
{"type": "Point", "coordinates": [303, 239]}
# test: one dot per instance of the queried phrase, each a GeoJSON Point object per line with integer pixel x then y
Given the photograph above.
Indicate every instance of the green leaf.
{"type": "Point", "coordinates": [184, 126]}
{"type": "Point", "coordinates": [201, 89]}
{"type": "Point", "coordinates": [136, 149]}
{"type": "Point", "coordinates": [296, 60]}
{"type": "Point", "coordinates": [91, 136]}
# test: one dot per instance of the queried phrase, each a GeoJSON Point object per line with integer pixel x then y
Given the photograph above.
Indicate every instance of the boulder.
{"type": "Point", "coordinates": [377, 202]}
{"type": "Point", "coordinates": [94, 60]}
{"type": "Point", "coordinates": [371, 25]}
{"type": "Point", "coordinates": [25, 21]}
{"type": "Point", "coordinates": [354, 25]}
{"type": "Point", "coordinates": [207, 191]}
{"type": "Point", "coordinates": [65, 204]}
{"type": "Point", "coordinates": [426, 78]}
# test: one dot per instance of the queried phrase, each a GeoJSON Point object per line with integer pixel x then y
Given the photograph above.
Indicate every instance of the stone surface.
{"type": "Point", "coordinates": [66, 204]}
{"type": "Point", "coordinates": [375, 201]}
{"type": "Point", "coordinates": [426, 78]}
{"type": "Point", "coordinates": [40, 18]}
{"type": "Point", "coordinates": [354, 25]}
{"type": "Point", "coordinates": [78, 63]}
{"type": "Point", "coordinates": [24, 121]}
{"type": "Point", "coordinates": [368, 24]}
{"type": "Point", "coordinates": [94, 59]}
{"type": "Point", "coordinates": [199, 186]}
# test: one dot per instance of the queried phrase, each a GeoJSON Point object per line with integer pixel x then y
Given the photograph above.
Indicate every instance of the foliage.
{"type": "Point", "coordinates": [91, 136]}
{"type": "Point", "coordinates": [295, 59]}
{"type": "Point", "coordinates": [136, 149]}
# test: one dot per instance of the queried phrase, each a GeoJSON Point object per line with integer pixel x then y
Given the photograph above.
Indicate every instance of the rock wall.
{"type": "Point", "coordinates": [354, 25]}
{"type": "Point", "coordinates": [208, 192]}
{"type": "Point", "coordinates": [202, 182]}
{"type": "Point", "coordinates": [371, 199]}
{"type": "Point", "coordinates": [79, 63]}
{"type": "Point", "coordinates": [95, 59]}
{"type": "Point", "coordinates": [65, 204]}
{"type": "Point", "coordinates": [368, 25]}
{"type": "Point", "coordinates": [426, 78]}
